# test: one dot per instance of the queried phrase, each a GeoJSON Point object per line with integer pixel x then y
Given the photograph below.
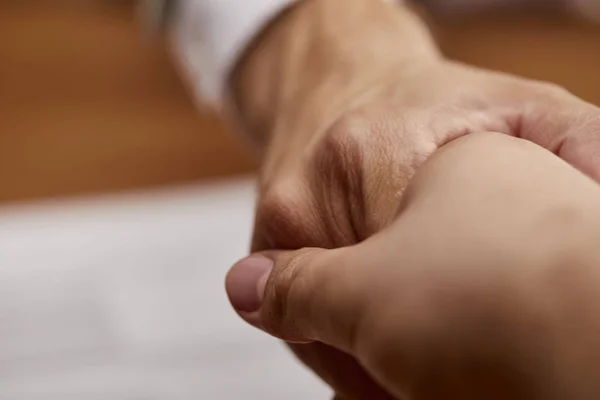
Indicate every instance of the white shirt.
{"type": "Point", "coordinates": [210, 35]}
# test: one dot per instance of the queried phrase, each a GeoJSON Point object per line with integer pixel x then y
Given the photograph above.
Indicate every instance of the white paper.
{"type": "Point", "coordinates": [122, 298]}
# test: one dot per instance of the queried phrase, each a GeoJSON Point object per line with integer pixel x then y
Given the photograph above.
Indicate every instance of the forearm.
{"type": "Point", "coordinates": [308, 61]}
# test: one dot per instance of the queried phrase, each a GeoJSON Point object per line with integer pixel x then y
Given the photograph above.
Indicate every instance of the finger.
{"type": "Point", "coordinates": [299, 296]}
{"type": "Point", "coordinates": [302, 296]}
{"type": "Point", "coordinates": [582, 148]}
{"type": "Point", "coordinates": [567, 126]}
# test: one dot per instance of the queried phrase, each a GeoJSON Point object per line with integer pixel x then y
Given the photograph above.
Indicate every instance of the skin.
{"type": "Point", "coordinates": [344, 101]}
{"type": "Point", "coordinates": [484, 286]}
{"type": "Point", "coordinates": [344, 113]}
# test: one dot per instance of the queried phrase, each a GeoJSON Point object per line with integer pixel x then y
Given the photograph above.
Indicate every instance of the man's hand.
{"type": "Point", "coordinates": [486, 286]}
{"type": "Point", "coordinates": [346, 99]}
{"type": "Point", "coordinates": [346, 182]}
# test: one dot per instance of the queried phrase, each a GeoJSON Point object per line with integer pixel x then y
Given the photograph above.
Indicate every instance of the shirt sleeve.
{"type": "Point", "coordinates": [208, 36]}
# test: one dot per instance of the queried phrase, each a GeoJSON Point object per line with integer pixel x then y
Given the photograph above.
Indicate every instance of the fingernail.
{"type": "Point", "coordinates": [245, 282]}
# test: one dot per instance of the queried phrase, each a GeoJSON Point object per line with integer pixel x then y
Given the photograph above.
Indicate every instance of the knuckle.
{"type": "Point", "coordinates": [347, 132]}
{"type": "Point", "coordinates": [551, 90]}
{"type": "Point", "coordinates": [354, 161]}
{"type": "Point", "coordinates": [339, 149]}
{"type": "Point", "coordinates": [588, 120]}
{"type": "Point", "coordinates": [358, 136]}
{"type": "Point", "coordinates": [337, 174]}
{"type": "Point", "coordinates": [279, 219]}
{"type": "Point", "coordinates": [346, 155]}
{"type": "Point", "coordinates": [273, 201]}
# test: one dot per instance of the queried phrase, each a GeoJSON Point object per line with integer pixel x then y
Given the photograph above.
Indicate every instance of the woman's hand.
{"type": "Point", "coordinates": [485, 285]}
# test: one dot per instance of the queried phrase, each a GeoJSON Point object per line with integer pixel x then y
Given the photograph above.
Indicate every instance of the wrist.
{"type": "Point", "coordinates": [318, 55]}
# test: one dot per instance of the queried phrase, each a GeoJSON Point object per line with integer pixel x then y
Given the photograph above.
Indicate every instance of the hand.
{"type": "Point", "coordinates": [485, 286]}
{"type": "Point", "coordinates": [346, 183]}
{"type": "Point", "coordinates": [347, 98]}
{"type": "Point", "coordinates": [343, 132]}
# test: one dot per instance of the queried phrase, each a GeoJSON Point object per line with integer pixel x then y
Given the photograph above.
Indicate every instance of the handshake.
{"type": "Point", "coordinates": [425, 230]}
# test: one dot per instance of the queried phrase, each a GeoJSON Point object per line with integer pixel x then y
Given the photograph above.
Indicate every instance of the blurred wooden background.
{"type": "Point", "coordinates": [86, 105]}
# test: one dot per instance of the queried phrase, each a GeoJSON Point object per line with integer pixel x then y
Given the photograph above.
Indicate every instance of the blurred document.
{"type": "Point", "coordinates": [122, 298]}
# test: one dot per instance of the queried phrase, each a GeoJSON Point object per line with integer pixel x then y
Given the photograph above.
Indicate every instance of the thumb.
{"type": "Point", "coordinates": [298, 296]}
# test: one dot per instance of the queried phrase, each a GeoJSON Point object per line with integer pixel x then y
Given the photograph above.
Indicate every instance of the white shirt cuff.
{"type": "Point", "coordinates": [210, 35]}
